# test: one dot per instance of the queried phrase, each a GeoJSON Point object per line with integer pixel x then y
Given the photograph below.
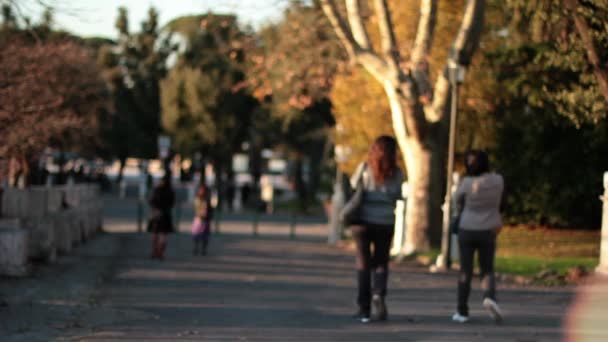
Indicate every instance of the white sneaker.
{"type": "Point", "coordinates": [493, 309]}
{"type": "Point", "coordinates": [460, 318]}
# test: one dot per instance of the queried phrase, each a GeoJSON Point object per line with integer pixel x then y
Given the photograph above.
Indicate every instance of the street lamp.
{"type": "Point", "coordinates": [338, 199]}
{"type": "Point", "coordinates": [456, 74]}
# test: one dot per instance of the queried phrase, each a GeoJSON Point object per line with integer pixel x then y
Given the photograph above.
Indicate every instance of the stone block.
{"type": "Point", "coordinates": [14, 203]}
{"type": "Point", "coordinates": [91, 220]}
{"type": "Point", "coordinates": [96, 215]}
{"type": "Point", "coordinates": [51, 227]}
{"type": "Point", "coordinates": [72, 195]}
{"type": "Point", "coordinates": [84, 194]}
{"type": "Point", "coordinates": [10, 223]}
{"type": "Point", "coordinates": [74, 225]}
{"type": "Point", "coordinates": [13, 252]}
{"type": "Point", "coordinates": [63, 232]}
{"type": "Point", "coordinates": [81, 221]}
{"type": "Point", "coordinates": [36, 203]}
{"type": "Point", "coordinates": [54, 196]}
{"type": "Point", "coordinates": [41, 243]}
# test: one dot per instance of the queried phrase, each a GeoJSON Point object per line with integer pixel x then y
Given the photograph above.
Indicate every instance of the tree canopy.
{"type": "Point", "coordinates": [205, 102]}
{"type": "Point", "coordinates": [51, 92]}
{"type": "Point", "coordinates": [133, 68]}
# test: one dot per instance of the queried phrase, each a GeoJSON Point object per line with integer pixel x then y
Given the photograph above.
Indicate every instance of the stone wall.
{"type": "Point", "coordinates": [48, 221]}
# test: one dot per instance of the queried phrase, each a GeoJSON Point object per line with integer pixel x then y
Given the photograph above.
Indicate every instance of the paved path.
{"type": "Point", "coordinates": [268, 288]}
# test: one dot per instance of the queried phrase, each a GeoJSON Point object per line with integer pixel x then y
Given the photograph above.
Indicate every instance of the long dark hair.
{"type": "Point", "coordinates": [476, 162]}
{"type": "Point", "coordinates": [382, 158]}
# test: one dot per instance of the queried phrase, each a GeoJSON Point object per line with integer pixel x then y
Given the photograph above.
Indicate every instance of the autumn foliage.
{"type": "Point", "coordinates": [50, 94]}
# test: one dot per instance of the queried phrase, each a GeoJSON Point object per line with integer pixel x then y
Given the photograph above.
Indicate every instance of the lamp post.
{"type": "Point", "coordinates": [456, 76]}
{"type": "Point", "coordinates": [338, 199]}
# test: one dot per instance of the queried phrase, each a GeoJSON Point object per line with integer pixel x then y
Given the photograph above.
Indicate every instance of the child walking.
{"type": "Point", "coordinates": [201, 227]}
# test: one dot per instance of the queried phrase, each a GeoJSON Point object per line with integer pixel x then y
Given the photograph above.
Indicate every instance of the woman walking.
{"type": "Point", "coordinates": [201, 225]}
{"type": "Point", "coordinates": [161, 221]}
{"type": "Point", "coordinates": [381, 183]}
{"type": "Point", "coordinates": [479, 197]}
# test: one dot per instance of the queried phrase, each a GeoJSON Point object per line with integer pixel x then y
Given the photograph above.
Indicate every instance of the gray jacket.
{"type": "Point", "coordinates": [480, 197]}
{"type": "Point", "coordinates": [378, 204]}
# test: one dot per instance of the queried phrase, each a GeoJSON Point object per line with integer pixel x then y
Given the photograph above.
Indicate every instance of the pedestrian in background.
{"type": "Point", "coordinates": [381, 181]}
{"type": "Point", "coordinates": [161, 221]}
{"type": "Point", "coordinates": [478, 198]}
{"type": "Point", "coordinates": [201, 224]}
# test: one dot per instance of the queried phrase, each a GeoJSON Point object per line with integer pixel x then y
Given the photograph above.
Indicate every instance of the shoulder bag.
{"type": "Point", "coordinates": [351, 212]}
{"type": "Point", "coordinates": [455, 220]}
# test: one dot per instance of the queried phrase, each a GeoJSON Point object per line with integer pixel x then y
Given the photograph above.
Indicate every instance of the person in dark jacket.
{"type": "Point", "coordinates": [160, 223]}
{"type": "Point", "coordinates": [381, 180]}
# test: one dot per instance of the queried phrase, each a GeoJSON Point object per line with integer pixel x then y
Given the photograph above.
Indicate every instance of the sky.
{"type": "Point", "coordinates": [96, 17]}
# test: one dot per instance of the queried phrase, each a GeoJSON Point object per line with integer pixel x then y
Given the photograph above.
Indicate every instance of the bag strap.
{"type": "Point", "coordinates": [360, 179]}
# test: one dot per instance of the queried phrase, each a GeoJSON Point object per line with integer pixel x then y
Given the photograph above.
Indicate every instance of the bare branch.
{"type": "Point", "coordinates": [368, 59]}
{"type": "Point", "coordinates": [435, 110]}
{"type": "Point", "coordinates": [353, 10]}
{"type": "Point", "coordinates": [340, 27]}
{"type": "Point", "coordinates": [600, 71]}
{"type": "Point", "coordinates": [461, 52]}
{"type": "Point", "coordinates": [398, 118]}
{"type": "Point", "coordinates": [469, 34]}
{"type": "Point", "coordinates": [387, 31]}
{"type": "Point", "coordinates": [424, 35]}
{"type": "Point", "coordinates": [20, 13]}
{"type": "Point", "coordinates": [422, 47]}
{"type": "Point", "coordinates": [374, 65]}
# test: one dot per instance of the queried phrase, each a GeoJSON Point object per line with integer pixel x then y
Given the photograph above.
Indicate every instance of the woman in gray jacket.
{"type": "Point", "coordinates": [479, 197]}
{"type": "Point", "coordinates": [381, 180]}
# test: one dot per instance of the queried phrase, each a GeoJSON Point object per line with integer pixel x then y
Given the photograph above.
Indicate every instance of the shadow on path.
{"type": "Point", "coordinates": [276, 289]}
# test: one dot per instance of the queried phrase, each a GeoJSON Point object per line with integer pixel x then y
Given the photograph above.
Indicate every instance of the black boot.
{"type": "Point", "coordinates": [364, 296]}
{"type": "Point", "coordinates": [362, 315]}
{"type": "Point", "coordinates": [378, 303]}
{"type": "Point", "coordinates": [381, 313]}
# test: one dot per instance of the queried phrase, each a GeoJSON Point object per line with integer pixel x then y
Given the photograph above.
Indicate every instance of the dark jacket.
{"type": "Point", "coordinates": [161, 202]}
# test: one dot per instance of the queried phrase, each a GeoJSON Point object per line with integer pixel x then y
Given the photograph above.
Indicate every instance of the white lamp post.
{"type": "Point", "coordinates": [602, 268]}
{"type": "Point", "coordinates": [456, 76]}
{"type": "Point", "coordinates": [341, 153]}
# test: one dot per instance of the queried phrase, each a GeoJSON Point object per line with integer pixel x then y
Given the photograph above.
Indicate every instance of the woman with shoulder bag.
{"type": "Point", "coordinates": [479, 223]}
{"type": "Point", "coordinates": [380, 181]}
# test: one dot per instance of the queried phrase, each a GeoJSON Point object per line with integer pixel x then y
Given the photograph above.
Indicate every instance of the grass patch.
{"type": "Point", "coordinates": [526, 251]}
{"type": "Point", "coordinates": [548, 243]}
{"type": "Point", "coordinates": [530, 266]}
{"type": "Point", "coordinates": [432, 254]}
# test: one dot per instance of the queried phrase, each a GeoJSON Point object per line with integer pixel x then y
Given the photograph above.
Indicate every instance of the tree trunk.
{"type": "Point", "coordinates": [218, 169]}
{"type": "Point", "coordinates": [420, 131]}
{"type": "Point", "coordinates": [418, 210]}
{"type": "Point", "coordinates": [439, 154]}
{"type": "Point", "coordinates": [425, 160]}
{"type": "Point", "coordinates": [301, 190]}
{"type": "Point", "coordinates": [123, 162]}
{"type": "Point", "coordinates": [202, 171]}
{"type": "Point", "coordinates": [18, 172]}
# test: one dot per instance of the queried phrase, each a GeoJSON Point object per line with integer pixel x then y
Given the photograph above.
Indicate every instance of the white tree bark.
{"type": "Point", "coordinates": [419, 130]}
{"type": "Point", "coordinates": [353, 10]}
